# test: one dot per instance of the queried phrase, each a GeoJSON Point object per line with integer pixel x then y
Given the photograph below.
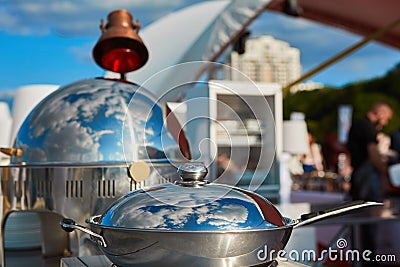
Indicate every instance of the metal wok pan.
{"type": "Point", "coordinates": [130, 235]}
{"type": "Point", "coordinates": [151, 247]}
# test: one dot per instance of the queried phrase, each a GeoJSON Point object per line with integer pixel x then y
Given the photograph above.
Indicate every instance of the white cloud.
{"type": "Point", "coordinates": [225, 217]}
{"type": "Point", "coordinates": [64, 7]}
{"type": "Point", "coordinates": [7, 19]}
{"type": "Point", "coordinates": [136, 4]}
{"type": "Point", "coordinates": [357, 64]}
{"type": "Point", "coordinates": [218, 215]}
{"type": "Point", "coordinates": [31, 7]}
{"type": "Point", "coordinates": [82, 53]}
{"type": "Point", "coordinates": [75, 17]}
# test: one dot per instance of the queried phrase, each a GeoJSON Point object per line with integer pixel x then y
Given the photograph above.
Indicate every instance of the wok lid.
{"type": "Point", "coordinates": [192, 204]}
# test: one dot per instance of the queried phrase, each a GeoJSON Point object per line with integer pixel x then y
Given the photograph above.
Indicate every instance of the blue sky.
{"type": "Point", "coordinates": [50, 42]}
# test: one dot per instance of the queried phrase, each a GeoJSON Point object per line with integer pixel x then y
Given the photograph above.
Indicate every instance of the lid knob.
{"type": "Point", "coordinates": [192, 174]}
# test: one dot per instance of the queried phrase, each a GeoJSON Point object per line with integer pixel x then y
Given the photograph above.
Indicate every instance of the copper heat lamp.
{"type": "Point", "coordinates": [119, 48]}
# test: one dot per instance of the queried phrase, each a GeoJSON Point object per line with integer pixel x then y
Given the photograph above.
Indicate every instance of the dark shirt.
{"type": "Point", "coordinates": [395, 141]}
{"type": "Point", "coordinates": [362, 133]}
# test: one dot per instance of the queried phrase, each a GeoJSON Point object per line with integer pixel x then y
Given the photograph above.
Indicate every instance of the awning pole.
{"type": "Point", "coordinates": [342, 54]}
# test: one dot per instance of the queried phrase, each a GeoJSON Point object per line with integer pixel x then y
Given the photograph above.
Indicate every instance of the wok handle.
{"type": "Point", "coordinates": [70, 225]}
{"type": "Point", "coordinates": [312, 217]}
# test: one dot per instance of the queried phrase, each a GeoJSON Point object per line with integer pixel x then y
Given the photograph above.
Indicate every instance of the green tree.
{"type": "Point", "coordinates": [321, 106]}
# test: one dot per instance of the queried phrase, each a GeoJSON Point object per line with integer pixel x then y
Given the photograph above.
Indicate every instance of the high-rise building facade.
{"type": "Point", "coordinates": [266, 60]}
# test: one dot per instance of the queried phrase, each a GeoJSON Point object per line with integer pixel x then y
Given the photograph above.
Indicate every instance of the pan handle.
{"type": "Point", "coordinates": [69, 225]}
{"type": "Point", "coordinates": [312, 217]}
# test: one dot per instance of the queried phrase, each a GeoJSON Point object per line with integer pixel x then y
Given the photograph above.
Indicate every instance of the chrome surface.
{"type": "Point", "coordinates": [141, 247]}
{"type": "Point", "coordinates": [95, 120]}
{"type": "Point", "coordinates": [211, 207]}
{"type": "Point", "coordinates": [77, 145]}
{"type": "Point", "coordinates": [167, 230]}
{"type": "Point", "coordinates": [192, 174]}
{"type": "Point", "coordinates": [70, 225]}
{"type": "Point", "coordinates": [76, 191]}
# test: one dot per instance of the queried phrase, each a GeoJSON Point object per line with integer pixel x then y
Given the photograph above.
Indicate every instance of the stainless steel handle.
{"type": "Point", "coordinates": [69, 225]}
{"type": "Point", "coordinates": [310, 218]}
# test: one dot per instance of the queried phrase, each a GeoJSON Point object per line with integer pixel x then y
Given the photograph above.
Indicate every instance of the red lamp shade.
{"type": "Point", "coordinates": [121, 60]}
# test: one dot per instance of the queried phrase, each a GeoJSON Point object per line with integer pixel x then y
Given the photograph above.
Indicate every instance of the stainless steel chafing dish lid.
{"type": "Point", "coordinates": [95, 120]}
{"type": "Point", "coordinates": [190, 205]}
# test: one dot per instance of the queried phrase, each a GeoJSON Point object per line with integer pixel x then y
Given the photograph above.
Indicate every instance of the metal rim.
{"type": "Point", "coordinates": [92, 221]}
{"type": "Point", "coordinates": [87, 164]}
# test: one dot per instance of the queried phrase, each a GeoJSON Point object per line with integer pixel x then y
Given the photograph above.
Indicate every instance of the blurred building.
{"type": "Point", "coordinates": [268, 60]}
{"type": "Point", "coordinates": [307, 86]}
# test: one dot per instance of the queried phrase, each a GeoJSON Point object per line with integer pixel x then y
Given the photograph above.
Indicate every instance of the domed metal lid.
{"type": "Point", "coordinates": [95, 120]}
{"type": "Point", "coordinates": [191, 205]}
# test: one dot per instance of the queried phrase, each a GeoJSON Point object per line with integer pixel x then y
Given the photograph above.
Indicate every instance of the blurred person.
{"type": "Point", "coordinates": [337, 160]}
{"type": "Point", "coordinates": [370, 170]}
{"type": "Point", "coordinates": [331, 148]}
{"type": "Point", "coordinates": [313, 160]}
